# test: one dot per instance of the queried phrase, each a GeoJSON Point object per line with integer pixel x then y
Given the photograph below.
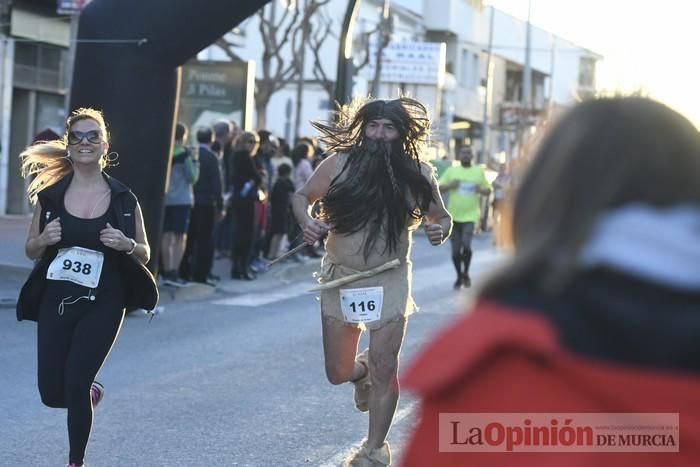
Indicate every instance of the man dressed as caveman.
{"type": "Point", "coordinates": [374, 192]}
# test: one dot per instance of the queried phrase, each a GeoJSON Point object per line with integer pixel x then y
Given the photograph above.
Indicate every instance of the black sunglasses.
{"type": "Point", "coordinates": [76, 137]}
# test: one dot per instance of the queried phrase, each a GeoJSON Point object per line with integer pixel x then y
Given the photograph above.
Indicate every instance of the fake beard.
{"type": "Point", "coordinates": [373, 160]}
{"type": "Point", "coordinates": [366, 193]}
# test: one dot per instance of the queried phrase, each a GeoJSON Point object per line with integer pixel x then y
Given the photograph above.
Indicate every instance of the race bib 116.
{"type": "Point", "coordinates": [361, 305]}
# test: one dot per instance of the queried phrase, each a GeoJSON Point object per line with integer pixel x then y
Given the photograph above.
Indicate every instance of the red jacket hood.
{"type": "Point", "coordinates": [495, 333]}
{"type": "Point", "coordinates": [506, 360]}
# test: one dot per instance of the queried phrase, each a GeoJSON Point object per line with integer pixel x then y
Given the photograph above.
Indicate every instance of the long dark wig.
{"type": "Point", "coordinates": [381, 184]}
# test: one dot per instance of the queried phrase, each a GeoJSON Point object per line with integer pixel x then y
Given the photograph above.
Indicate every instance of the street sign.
{"type": "Point", "coordinates": [409, 62]}
{"type": "Point", "coordinates": [70, 7]}
{"type": "Point", "coordinates": [213, 90]}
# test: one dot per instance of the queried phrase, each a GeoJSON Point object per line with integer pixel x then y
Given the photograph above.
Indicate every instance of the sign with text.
{"type": "Point", "coordinates": [70, 7]}
{"type": "Point", "coordinates": [213, 90]}
{"type": "Point", "coordinates": [409, 62]}
{"type": "Point", "coordinates": [559, 432]}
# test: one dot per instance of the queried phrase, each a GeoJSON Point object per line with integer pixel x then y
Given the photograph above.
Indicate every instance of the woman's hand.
{"type": "Point", "coordinates": [51, 234]}
{"type": "Point", "coordinates": [115, 239]}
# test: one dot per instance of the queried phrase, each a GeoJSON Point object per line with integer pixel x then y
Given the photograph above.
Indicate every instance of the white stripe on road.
{"type": "Point", "coordinates": [339, 458]}
{"type": "Point", "coordinates": [423, 278]}
{"type": "Point", "coordinates": [264, 297]}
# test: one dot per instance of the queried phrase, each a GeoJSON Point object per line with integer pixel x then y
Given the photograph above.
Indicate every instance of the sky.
{"type": "Point", "coordinates": [647, 44]}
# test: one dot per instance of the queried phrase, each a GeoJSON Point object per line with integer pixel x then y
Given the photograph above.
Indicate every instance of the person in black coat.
{"type": "Point", "coordinates": [246, 182]}
{"type": "Point", "coordinates": [281, 202]}
{"type": "Point", "coordinates": [225, 132]}
{"type": "Point", "coordinates": [208, 208]}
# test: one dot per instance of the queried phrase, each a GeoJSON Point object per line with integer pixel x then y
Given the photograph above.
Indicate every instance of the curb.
{"type": "Point", "coordinates": [12, 277]}
{"type": "Point", "coordinates": [277, 276]}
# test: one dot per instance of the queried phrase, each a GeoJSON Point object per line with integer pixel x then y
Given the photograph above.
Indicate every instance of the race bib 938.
{"type": "Point", "coordinates": [78, 265]}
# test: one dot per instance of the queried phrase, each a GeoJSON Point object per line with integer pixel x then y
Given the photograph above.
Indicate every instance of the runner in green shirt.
{"type": "Point", "coordinates": [464, 184]}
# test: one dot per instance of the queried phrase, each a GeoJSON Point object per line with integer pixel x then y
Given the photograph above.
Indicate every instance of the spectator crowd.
{"type": "Point", "coordinates": [228, 197]}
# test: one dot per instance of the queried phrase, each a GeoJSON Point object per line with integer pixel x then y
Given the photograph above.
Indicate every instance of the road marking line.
{"type": "Point", "coordinates": [423, 278]}
{"type": "Point", "coordinates": [264, 297]}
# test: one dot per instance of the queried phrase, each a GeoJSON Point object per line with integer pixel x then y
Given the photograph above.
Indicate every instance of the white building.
{"type": "Point", "coordinates": [562, 72]}
{"type": "Point", "coordinates": [406, 26]}
{"type": "Point", "coordinates": [34, 81]}
{"type": "Point", "coordinates": [34, 75]}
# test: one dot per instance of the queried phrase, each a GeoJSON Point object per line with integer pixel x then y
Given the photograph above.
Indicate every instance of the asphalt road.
{"type": "Point", "coordinates": [228, 380]}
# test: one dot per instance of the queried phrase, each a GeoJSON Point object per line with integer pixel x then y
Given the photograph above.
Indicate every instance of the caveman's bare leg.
{"type": "Point", "coordinates": [385, 344]}
{"type": "Point", "coordinates": [340, 347]}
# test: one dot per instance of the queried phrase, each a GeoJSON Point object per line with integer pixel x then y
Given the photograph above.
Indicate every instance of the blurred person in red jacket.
{"type": "Point", "coordinates": [598, 312]}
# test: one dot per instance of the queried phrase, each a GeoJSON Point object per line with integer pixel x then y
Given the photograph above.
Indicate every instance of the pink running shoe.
{"type": "Point", "coordinates": [97, 392]}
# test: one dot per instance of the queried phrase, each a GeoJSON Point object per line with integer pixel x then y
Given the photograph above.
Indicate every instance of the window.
{"type": "Point", "coordinates": [586, 72]}
{"type": "Point", "coordinates": [514, 80]}
{"type": "Point", "coordinates": [469, 69]}
{"type": "Point", "coordinates": [39, 66]}
{"type": "Point", "coordinates": [464, 68]}
{"type": "Point", "coordinates": [50, 58]}
{"type": "Point", "coordinates": [26, 54]}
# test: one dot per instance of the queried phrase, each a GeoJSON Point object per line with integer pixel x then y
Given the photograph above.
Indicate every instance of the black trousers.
{"type": "Point", "coordinates": [461, 238]}
{"type": "Point", "coordinates": [243, 234]}
{"type": "Point", "coordinates": [199, 250]}
{"type": "Point", "coordinates": [71, 349]}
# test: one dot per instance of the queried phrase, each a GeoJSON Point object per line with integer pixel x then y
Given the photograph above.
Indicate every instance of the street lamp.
{"type": "Point", "coordinates": [343, 84]}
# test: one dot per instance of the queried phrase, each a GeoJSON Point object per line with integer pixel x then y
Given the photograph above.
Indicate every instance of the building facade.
{"type": "Point", "coordinates": [34, 81]}
{"type": "Point", "coordinates": [473, 99]}
{"type": "Point", "coordinates": [477, 100]}
{"type": "Point", "coordinates": [486, 68]}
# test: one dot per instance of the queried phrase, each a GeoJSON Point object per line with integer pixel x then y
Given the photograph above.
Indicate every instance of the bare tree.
{"type": "Point", "coordinates": [277, 65]}
{"type": "Point", "coordinates": [322, 31]}
{"type": "Point", "coordinates": [364, 41]}
{"type": "Point", "coordinates": [282, 35]}
{"type": "Point", "coordinates": [385, 30]}
{"type": "Point", "coordinates": [278, 62]}
{"type": "Point", "coordinates": [379, 34]}
{"type": "Point", "coordinates": [312, 8]}
{"type": "Point", "coordinates": [230, 42]}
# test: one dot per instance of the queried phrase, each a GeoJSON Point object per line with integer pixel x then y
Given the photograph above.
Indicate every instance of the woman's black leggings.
{"type": "Point", "coordinates": [71, 350]}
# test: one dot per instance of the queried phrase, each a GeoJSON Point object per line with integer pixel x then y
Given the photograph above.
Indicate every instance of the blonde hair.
{"type": "Point", "coordinates": [48, 161]}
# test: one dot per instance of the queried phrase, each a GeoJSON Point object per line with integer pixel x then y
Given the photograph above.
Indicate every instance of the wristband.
{"type": "Point", "coordinates": [133, 246]}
